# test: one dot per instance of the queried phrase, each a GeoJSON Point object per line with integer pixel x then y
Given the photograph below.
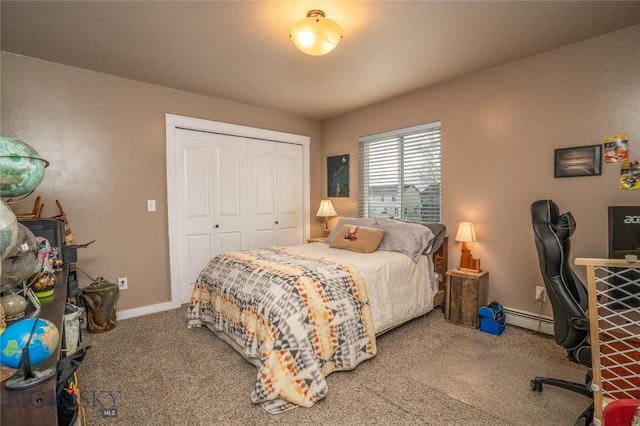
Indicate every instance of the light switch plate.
{"type": "Point", "coordinates": [151, 205]}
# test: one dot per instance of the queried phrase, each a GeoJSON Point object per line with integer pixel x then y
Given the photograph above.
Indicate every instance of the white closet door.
{"type": "Point", "coordinates": [262, 194]}
{"type": "Point", "coordinates": [235, 193]}
{"type": "Point", "coordinates": [289, 190]}
{"type": "Point", "coordinates": [275, 194]}
{"type": "Point", "coordinates": [229, 193]}
{"type": "Point", "coordinates": [211, 178]}
{"type": "Point", "coordinates": [194, 153]}
{"type": "Point", "coordinates": [244, 184]}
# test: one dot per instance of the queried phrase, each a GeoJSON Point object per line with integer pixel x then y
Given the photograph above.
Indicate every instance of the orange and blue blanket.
{"type": "Point", "coordinates": [303, 317]}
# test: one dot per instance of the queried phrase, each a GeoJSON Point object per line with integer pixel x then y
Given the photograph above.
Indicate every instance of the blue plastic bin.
{"type": "Point", "coordinates": [492, 318]}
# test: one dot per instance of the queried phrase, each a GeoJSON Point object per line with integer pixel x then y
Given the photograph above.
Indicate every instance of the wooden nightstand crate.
{"type": "Point", "coordinates": [466, 293]}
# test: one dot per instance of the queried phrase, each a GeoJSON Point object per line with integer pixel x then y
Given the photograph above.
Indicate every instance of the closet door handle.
{"type": "Point", "coordinates": [276, 222]}
{"type": "Point", "coordinates": [217, 226]}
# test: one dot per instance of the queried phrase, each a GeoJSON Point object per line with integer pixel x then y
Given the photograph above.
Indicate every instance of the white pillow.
{"type": "Point", "coordinates": [402, 237]}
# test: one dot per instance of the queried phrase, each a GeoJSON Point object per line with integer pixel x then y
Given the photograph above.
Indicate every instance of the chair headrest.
{"type": "Point", "coordinates": [565, 226]}
{"type": "Point", "coordinates": [545, 212]}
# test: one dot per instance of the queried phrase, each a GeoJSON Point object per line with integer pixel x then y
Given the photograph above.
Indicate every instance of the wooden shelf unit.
{"type": "Point", "coordinates": [36, 406]}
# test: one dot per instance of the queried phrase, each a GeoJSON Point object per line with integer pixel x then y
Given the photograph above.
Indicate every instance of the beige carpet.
{"type": "Point", "coordinates": [153, 370]}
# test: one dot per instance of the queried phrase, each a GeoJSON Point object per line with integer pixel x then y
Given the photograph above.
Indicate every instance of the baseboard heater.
{"type": "Point", "coordinates": [529, 320]}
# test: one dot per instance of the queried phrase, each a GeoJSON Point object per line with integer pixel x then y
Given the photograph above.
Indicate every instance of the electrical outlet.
{"type": "Point", "coordinates": [541, 293]}
{"type": "Point", "coordinates": [122, 283]}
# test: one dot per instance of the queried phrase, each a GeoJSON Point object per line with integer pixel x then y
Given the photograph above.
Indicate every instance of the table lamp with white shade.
{"type": "Point", "coordinates": [467, 234]}
{"type": "Point", "coordinates": [326, 210]}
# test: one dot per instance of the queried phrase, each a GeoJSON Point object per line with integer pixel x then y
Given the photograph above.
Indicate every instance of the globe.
{"type": "Point", "coordinates": [20, 262]}
{"type": "Point", "coordinates": [44, 341]}
{"type": "Point", "coordinates": [21, 168]}
{"type": "Point", "coordinates": [8, 230]}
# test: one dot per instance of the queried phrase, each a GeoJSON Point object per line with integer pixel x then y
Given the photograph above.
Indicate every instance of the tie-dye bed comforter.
{"type": "Point", "coordinates": [302, 317]}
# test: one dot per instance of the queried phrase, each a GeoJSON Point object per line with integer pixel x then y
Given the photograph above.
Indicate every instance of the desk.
{"type": "Point", "coordinates": [36, 406]}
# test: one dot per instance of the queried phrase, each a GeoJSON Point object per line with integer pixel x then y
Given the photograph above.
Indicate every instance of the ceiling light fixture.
{"type": "Point", "coordinates": [316, 35]}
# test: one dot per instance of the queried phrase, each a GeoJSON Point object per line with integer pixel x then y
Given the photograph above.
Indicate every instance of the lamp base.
{"type": "Point", "coordinates": [325, 231]}
{"type": "Point", "coordinates": [467, 261]}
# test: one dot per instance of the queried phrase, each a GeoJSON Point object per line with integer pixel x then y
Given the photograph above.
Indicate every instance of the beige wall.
{"type": "Point", "coordinates": [105, 139]}
{"type": "Point", "coordinates": [499, 132]}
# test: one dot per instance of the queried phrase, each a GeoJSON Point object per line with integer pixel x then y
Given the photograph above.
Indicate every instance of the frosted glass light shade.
{"type": "Point", "coordinates": [466, 233]}
{"type": "Point", "coordinates": [316, 35]}
{"type": "Point", "coordinates": [326, 209]}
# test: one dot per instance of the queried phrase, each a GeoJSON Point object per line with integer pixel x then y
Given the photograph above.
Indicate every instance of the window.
{"type": "Point", "coordinates": [402, 166]}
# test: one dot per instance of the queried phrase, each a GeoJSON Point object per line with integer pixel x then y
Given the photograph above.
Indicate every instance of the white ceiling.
{"type": "Point", "coordinates": [240, 50]}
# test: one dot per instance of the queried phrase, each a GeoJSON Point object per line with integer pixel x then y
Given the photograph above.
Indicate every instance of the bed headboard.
{"type": "Point", "coordinates": [441, 259]}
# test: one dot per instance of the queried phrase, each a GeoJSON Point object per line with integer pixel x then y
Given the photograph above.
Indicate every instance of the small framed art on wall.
{"type": "Point", "coordinates": [578, 161]}
{"type": "Point", "coordinates": [338, 176]}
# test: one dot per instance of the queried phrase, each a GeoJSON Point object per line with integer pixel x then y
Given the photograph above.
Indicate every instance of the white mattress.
{"type": "Point", "coordinates": [398, 288]}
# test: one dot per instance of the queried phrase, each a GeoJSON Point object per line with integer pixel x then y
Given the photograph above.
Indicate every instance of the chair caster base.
{"type": "Point", "coordinates": [536, 386]}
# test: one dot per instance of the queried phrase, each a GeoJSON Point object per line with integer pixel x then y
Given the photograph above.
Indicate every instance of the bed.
{"type": "Point", "coordinates": [300, 313]}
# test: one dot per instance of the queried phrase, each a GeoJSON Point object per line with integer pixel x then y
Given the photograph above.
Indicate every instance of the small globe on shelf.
{"type": "Point", "coordinates": [8, 229]}
{"type": "Point", "coordinates": [43, 343]}
{"type": "Point", "coordinates": [21, 168]}
{"type": "Point", "coordinates": [40, 337]}
{"type": "Point", "coordinates": [21, 262]}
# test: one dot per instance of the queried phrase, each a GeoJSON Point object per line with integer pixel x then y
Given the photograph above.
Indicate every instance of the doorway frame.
{"type": "Point", "coordinates": [174, 122]}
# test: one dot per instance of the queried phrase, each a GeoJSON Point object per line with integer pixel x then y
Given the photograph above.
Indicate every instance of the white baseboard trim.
{"type": "Point", "coordinates": [528, 320]}
{"type": "Point", "coordinates": [151, 309]}
{"type": "Point", "coordinates": [513, 316]}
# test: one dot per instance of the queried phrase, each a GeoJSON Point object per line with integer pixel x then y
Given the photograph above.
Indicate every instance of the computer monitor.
{"type": "Point", "coordinates": [624, 239]}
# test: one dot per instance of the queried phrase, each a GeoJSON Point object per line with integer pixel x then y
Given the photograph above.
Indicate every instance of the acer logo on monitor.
{"type": "Point", "coordinates": [632, 219]}
{"type": "Point", "coordinates": [624, 231]}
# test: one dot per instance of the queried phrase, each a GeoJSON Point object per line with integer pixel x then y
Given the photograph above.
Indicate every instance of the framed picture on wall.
{"type": "Point", "coordinates": [338, 176]}
{"type": "Point", "coordinates": [578, 161]}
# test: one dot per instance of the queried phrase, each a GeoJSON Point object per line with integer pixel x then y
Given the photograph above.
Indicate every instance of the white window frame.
{"type": "Point", "coordinates": [418, 183]}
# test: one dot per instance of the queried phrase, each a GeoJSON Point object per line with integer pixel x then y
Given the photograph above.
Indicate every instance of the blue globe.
{"type": "Point", "coordinates": [14, 338]}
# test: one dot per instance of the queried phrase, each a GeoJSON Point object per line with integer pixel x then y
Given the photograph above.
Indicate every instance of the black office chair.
{"type": "Point", "coordinates": [567, 294]}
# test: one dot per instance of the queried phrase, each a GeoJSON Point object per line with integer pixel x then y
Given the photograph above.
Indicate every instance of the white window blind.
{"type": "Point", "coordinates": [400, 174]}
